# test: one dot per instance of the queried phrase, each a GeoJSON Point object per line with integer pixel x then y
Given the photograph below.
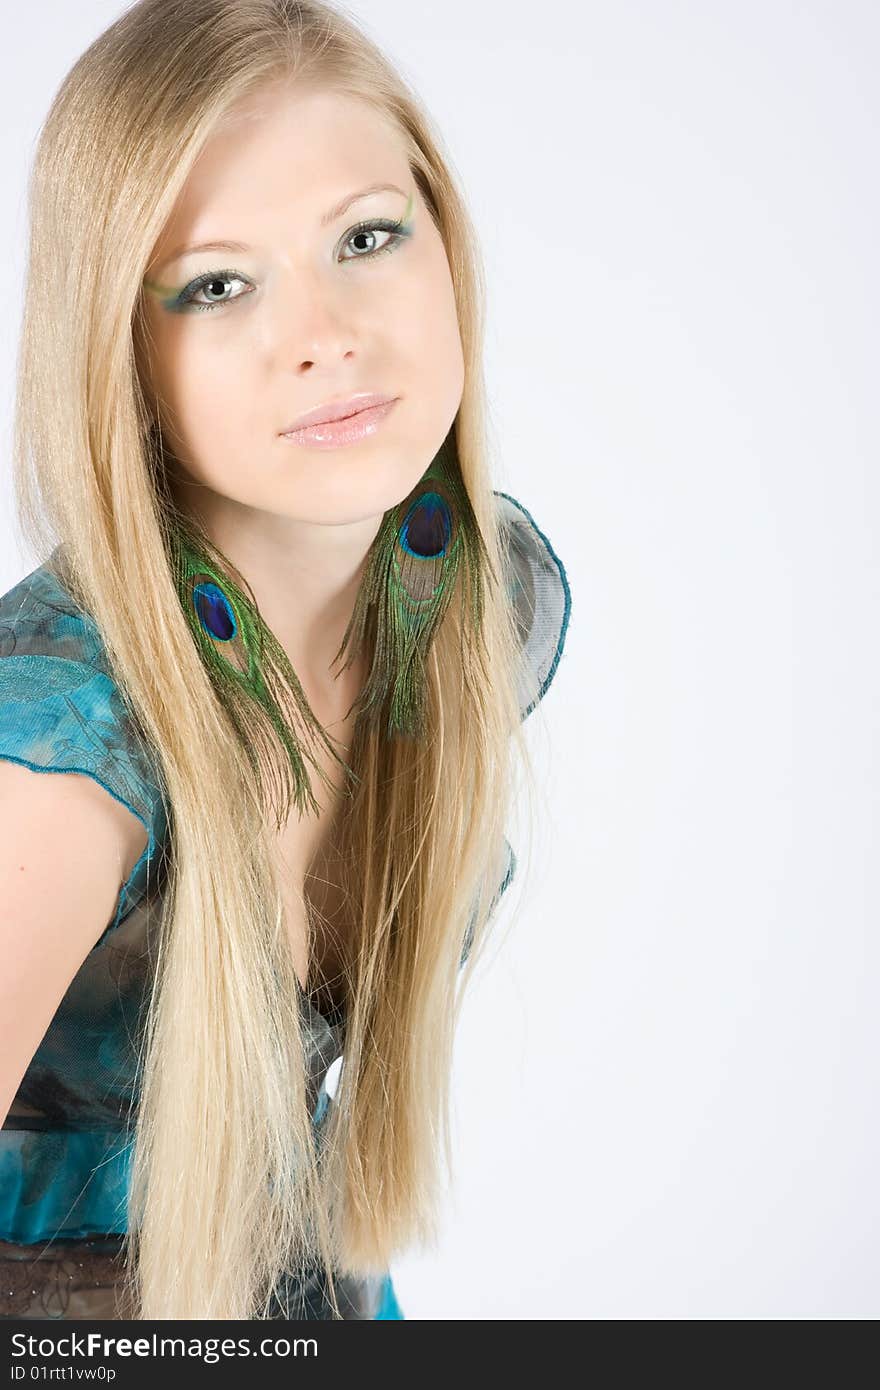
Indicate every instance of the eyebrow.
{"type": "Point", "coordinates": [330, 216]}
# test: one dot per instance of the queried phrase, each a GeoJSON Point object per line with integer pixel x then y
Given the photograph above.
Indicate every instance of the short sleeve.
{"type": "Point", "coordinates": [538, 588]}
{"type": "Point", "coordinates": [540, 593]}
{"type": "Point", "coordinates": [507, 875]}
{"type": "Point", "coordinates": [61, 712]}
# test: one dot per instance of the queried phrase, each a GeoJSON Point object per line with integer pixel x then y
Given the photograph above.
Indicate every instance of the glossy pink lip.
{"type": "Point", "coordinates": [338, 409]}
{"type": "Point", "coordinates": [349, 429]}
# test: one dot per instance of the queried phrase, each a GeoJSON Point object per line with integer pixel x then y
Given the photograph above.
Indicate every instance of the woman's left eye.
{"type": "Point", "coordinates": [366, 230]}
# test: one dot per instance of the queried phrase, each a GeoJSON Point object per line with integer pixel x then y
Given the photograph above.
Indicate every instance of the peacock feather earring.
{"type": "Point", "coordinates": [414, 562]}
{"type": "Point", "coordinates": [243, 656]}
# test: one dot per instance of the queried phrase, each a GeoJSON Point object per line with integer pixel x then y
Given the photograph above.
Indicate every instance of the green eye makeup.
{"type": "Point", "coordinates": [183, 301]}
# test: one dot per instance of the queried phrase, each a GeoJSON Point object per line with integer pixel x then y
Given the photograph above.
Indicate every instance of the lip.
{"type": "Point", "coordinates": [345, 429]}
{"type": "Point", "coordinates": [338, 409]}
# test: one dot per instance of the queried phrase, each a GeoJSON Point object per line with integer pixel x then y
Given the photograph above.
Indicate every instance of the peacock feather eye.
{"type": "Point", "coordinates": [427, 527]}
{"type": "Point", "coordinates": [215, 612]}
{"type": "Point", "coordinates": [217, 621]}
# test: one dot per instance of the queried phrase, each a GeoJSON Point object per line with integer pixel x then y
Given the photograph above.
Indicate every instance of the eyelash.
{"type": "Point", "coordinates": [399, 231]}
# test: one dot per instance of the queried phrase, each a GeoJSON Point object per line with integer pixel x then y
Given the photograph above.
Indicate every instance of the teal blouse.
{"type": "Point", "coordinates": [64, 1163]}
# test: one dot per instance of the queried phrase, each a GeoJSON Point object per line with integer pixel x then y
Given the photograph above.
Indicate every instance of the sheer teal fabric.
{"type": "Point", "coordinates": [64, 1165]}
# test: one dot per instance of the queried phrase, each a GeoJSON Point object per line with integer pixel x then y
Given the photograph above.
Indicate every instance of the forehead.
{"type": "Point", "coordinates": [290, 149]}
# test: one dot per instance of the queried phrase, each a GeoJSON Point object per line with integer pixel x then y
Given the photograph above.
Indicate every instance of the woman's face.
{"type": "Point", "coordinates": [304, 310]}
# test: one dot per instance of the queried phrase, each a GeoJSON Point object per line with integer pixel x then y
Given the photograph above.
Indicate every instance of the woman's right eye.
{"type": "Point", "coordinates": [213, 281]}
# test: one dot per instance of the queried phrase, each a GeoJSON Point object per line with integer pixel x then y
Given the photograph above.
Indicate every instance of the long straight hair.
{"type": "Point", "coordinates": [229, 1187]}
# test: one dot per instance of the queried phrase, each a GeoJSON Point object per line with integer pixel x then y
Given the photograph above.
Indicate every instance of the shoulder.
{"type": "Point", "coordinates": [38, 616]}
{"type": "Point", "coordinates": [61, 710]}
{"type": "Point", "coordinates": [58, 700]}
{"type": "Point", "coordinates": [539, 590]}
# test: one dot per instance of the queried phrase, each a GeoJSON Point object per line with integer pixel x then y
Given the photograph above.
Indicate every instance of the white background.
{"type": "Point", "coordinates": [666, 1080]}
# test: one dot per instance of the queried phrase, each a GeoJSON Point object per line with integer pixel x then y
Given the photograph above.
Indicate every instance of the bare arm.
{"type": "Point", "coordinates": [66, 846]}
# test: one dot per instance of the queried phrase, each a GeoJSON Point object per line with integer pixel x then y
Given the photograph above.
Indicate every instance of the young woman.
{"type": "Point", "coordinates": [283, 644]}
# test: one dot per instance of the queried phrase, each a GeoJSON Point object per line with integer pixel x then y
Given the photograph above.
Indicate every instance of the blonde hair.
{"type": "Point", "coordinates": [229, 1187]}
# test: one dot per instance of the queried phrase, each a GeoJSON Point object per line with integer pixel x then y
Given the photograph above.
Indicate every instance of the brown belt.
{"type": "Point", "coordinates": [63, 1279]}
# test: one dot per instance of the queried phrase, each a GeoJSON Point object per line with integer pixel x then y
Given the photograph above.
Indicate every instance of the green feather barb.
{"type": "Point", "coordinates": [415, 560]}
{"type": "Point", "coordinates": [247, 663]}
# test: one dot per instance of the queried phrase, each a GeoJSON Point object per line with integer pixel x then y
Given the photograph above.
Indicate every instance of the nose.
{"type": "Point", "coordinates": [312, 322]}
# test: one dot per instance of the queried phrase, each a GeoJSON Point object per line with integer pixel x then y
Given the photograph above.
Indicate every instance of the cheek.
{"type": "Point", "coordinates": [437, 336]}
{"type": "Point", "coordinates": [203, 392]}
